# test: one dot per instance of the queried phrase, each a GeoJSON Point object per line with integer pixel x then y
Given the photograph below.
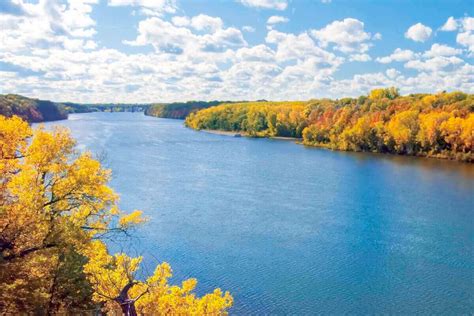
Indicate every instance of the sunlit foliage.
{"type": "Point", "coordinates": [113, 280]}
{"type": "Point", "coordinates": [55, 206]}
{"type": "Point", "coordinates": [435, 125]}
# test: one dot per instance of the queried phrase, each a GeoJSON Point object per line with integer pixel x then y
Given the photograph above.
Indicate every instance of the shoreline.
{"type": "Point", "coordinates": [241, 134]}
{"type": "Point", "coordinates": [224, 133]}
{"type": "Point", "coordinates": [299, 141]}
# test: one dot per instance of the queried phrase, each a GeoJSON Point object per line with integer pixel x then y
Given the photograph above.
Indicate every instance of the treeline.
{"type": "Point", "coordinates": [179, 110]}
{"type": "Point", "coordinates": [34, 110]}
{"type": "Point", "coordinates": [56, 210]}
{"type": "Point", "coordinates": [31, 110]}
{"type": "Point", "coordinates": [104, 107]}
{"type": "Point", "coordinates": [434, 125]}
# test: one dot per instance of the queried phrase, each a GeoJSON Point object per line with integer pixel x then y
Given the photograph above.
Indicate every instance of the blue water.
{"type": "Point", "coordinates": [289, 229]}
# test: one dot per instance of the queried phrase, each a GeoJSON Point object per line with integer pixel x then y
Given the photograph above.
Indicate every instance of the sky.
{"type": "Point", "coordinates": [141, 51]}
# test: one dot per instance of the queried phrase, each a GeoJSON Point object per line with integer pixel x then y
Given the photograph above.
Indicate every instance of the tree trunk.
{"type": "Point", "coordinates": [126, 304]}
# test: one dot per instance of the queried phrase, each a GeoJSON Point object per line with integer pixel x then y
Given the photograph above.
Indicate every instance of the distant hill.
{"type": "Point", "coordinates": [180, 110]}
{"type": "Point", "coordinates": [31, 110]}
{"type": "Point", "coordinates": [104, 107]}
{"type": "Point", "coordinates": [34, 110]}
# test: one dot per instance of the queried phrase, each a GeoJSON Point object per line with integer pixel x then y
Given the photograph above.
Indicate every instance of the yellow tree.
{"type": "Point", "coordinates": [114, 283]}
{"type": "Point", "coordinates": [54, 204]}
{"type": "Point", "coordinates": [403, 128]}
{"type": "Point", "coordinates": [429, 133]}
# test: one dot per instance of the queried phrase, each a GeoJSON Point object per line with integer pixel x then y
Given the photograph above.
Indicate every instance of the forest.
{"type": "Point", "coordinates": [56, 214]}
{"type": "Point", "coordinates": [179, 110]}
{"type": "Point", "coordinates": [32, 110]}
{"type": "Point", "coordinates": [431, 125]}
{"type": "Point", "coordinates": [35, 110]}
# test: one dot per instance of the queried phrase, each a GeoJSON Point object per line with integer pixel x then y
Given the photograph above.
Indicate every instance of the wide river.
{"type": "Point", "coordinates": [288, 229]}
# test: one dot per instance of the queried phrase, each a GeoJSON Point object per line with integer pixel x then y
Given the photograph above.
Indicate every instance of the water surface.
{"type": "Point", "coordinates": [289, 229]}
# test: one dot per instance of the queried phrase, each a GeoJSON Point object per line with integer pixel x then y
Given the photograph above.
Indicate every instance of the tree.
{"type": "Point", "coordinates": [403, 128]}
{"type": "Point", "coordinates": [389, 93]}
{"type": "Point", "coordinates": [114, 283]}
{"type": "Point", "coordinates": [55, 204]}
{"type": "Point", "coordinates": [429, 134]}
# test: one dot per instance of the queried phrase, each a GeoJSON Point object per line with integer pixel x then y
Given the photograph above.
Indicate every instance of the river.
{"type": "Point", "coordinates": [289, 229]}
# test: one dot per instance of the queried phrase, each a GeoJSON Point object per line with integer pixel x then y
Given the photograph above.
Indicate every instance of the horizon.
{"type": "Point", "coordinates": [135, 51]}
{"type": "Point", "coordinates": [223, 101]}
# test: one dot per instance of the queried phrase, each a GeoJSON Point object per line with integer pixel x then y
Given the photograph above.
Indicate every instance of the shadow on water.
{"type": "Point", "coordinates": [463, 169]}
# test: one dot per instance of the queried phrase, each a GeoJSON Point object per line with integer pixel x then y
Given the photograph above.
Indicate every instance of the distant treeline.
{"type": "Point", "coordinates": [34, 110]}
{"type": "Point", "coordinates": [107, 107]}
{"type": "Point", "coordinates": [434, 125]}
{"type": "Point", "coordinates": [179, 110]}
{"type": "Point", "coordinates": [31, 110]}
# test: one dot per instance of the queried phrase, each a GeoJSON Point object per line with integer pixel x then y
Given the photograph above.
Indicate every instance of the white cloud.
{"type": "Point", "coordinates": [299, 47]}
{"type": "Point", "coordinates": [418, 32]}
{"type": "Point", "coordinates": [392, 73]}
{"type": "Point", "coordinates": [360, 57]}
{"type": "Point", "coordinates": [51, 51]}
{"type": "Point", "coordinates": [168, 38]}
{"type": "Point", "coordinates": [466, 39]}
{"type": "Point", "coordinates": [434, 64]}
{"type": "Point", "coordinates": [442, 50]}
{"type": "Point", "coordinates": [206, 22]}
{"type": "Point", "coordinates": [468, 23]}
{"type": "Point", "coordinates": [248, 28]}
{"type": "Point", "coordinates": [450, 25]}
{"type": "Point", "coordinates": [266, 4]}
{"type": "Point", "coordinates": [148, 7]}
{"type": "Point", "coordinates": [256, 53]}
{"type": "Point", "coordinates": [347, 36]}
{"type": "Point", "coordinates": [181, 20]}
{"type": "Point", "coordinates": [377, 36]}
{"type": "Point", "coordinates": [47, 24]}
{"type": "Point", "coordinates": [274, 19]}
{"type": "Point", "coordinates": [398, 55]}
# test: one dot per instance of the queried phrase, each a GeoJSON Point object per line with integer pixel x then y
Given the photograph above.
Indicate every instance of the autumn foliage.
{"type": "Point", "coordinates": [55, 211]}
{"type": "Point", "coordinates": [435, 125]}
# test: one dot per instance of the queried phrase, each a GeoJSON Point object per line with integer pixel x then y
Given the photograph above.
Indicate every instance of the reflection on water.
{"type": "Point", "coordinates": [464, 171]}
{"type": "Point", "coordinates": [289, 229]}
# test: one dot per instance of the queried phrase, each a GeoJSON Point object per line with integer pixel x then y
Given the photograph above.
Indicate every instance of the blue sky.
{"type": "Point", "coordinates": [176, 50]}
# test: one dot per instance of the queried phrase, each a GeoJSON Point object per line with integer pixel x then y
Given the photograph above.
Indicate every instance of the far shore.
{"type": "Point", "coordinates": [241, 134]}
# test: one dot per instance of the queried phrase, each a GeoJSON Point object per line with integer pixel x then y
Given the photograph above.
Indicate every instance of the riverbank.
{"type": "Point", "coordinates": [225, 133]}
{"type": "Point", "coordinates": [242, 134]}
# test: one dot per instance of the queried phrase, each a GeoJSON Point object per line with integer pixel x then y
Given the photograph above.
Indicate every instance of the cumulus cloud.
{"type": "Point", "coordinates": [392, 73]}
{"type": "Point", "coordinates": [347, 36]}
{"type": "Point", "coordinates": [256, 53]}
{"type": "Point", "coordinates": [301, 46]}
{"type": "Point", "coordinates": [434, 64]}
{"type": "Point", "coordinates": [51, 51]}
{"type": "Point", "coordinates": [442, 50]}
{"type": "Point", "coordinates": [450, 25]}
{"type": "Point", "coordinates": [377, 36]}
{"type": "Point", "coordinates": [47, 24]}
{"type": "Point", "coordinates": [205, 22]}
{"type": "Point", "coordinates": [266, 4]}
{"type": "Point", "coordinates": [148, 7]}
{"type": "Point", "coordinates": [466, 35]}
{"type": "Point", "coordinates": [360, 57]}
{"type": "Point", "coordinates": [398, 55]}
{"type": "Point", "coordinates": [173, 38]}
{"type": "Point", "coordinates": [418, 32]}
{"type": "Point", "coordinates": [248, 28]}
{"type": "Point", "coordinates": [275, 19]}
